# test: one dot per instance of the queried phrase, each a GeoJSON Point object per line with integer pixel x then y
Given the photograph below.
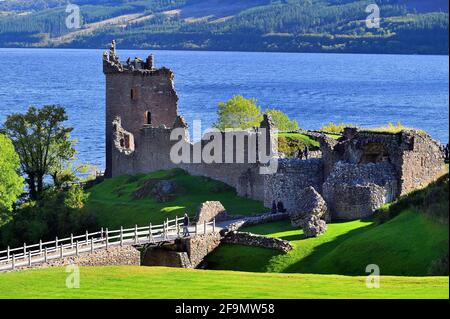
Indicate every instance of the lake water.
{"type": "Point", "coordinates": [367, 90]}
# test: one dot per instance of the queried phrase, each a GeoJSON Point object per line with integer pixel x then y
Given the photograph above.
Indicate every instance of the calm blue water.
{"type": "Point", "coordinates": [367, 90]}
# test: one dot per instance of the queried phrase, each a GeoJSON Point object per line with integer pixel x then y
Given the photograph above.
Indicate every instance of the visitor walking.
{"type": "Point", "coordinates": [186, 232]}
{"type": "Point", "coordinates": [306, 152]}
{"type": "Point", "coordinates": [274, 207]}
{"type": "Point", "coordinates": [280, 207]}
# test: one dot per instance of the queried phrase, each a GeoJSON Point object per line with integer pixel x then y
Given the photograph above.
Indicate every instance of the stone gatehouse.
{"type": "Point", "coordinates": [356, 174]}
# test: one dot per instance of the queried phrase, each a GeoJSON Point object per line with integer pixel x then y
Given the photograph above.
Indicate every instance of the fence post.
{"type": "Point", "coordinates": [29, 258]}
{"type": "Point", "coordinates": [92, 244]}
{"type": "Point", "coordinates": [214, 225]}
{"type": "Point", "coordinates": [40, 246]}
{"type": "Point", "coordinates": [71, 241]}
{"type": "Point", "coordinates": [135, 234]}
{"type": "Point", "coordinates": [121, 236]}
{"type": "Point", "coordinates": [13, 262]}
{"type": "Point", "coordinates": [7, 254]}
{"type": "Point", "coordinates": [61, 251]}
{"type": "Point", "coordinates": [101, 233]}
{"type": "Point", "coordinates": [56, 243]}
{"type": "Point", "coordinates": [76, 249]}
{"type": "Point", "coordinates": [24, 249]}
{"type": "Point", "coordinates": [152, 239]}
{"type": "Point", "coordinates": [87, 237]}
{"type": "Point", "coordinates": [196, 228]}
{"type": "Point", "coordinates": [107, 238]}
{"type": "Point", "coordinates": [45, 254]}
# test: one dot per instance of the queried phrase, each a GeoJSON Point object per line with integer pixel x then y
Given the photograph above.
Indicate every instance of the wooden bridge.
{"type": "Point", "coordinates": [43, 252]}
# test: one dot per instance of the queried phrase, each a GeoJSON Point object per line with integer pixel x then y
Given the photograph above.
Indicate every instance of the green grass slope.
{"type": "Point", "coordinates": [114, 204]}
{"type": "Point", "coordinates": [405, 245]}
{"type": "Point", "coordinates": [168, 283]}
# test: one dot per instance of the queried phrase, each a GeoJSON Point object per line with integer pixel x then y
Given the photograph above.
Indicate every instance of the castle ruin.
{"type": "Point", "coordinates": [355, 174]}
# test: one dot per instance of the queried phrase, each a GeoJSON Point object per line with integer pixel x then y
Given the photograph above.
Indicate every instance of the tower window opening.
{"type": "Point", "coordinates": [148, 118]}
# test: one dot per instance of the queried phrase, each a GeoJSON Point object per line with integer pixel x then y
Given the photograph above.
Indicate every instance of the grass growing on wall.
{"type": "Point", "coordinates": [114, 203]}
{"type": "Point", "coordinates": [171, 283]}
{"type": "Point", "coordinates": [405, 245]}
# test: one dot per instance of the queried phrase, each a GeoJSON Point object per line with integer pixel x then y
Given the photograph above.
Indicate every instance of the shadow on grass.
{"type": "Point", "coordinates": [309, 264]}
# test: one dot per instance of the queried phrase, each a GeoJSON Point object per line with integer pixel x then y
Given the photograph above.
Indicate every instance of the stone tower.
{"type": "Point", "coordinates": [138, 96]}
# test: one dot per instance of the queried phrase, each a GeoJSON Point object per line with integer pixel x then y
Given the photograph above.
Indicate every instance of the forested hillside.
{"type": "Point", "coordinates": [407, 26]}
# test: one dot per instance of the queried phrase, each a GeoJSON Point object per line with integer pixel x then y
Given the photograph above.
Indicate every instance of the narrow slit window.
{"type": "Point", "coordinates": [148, 118]}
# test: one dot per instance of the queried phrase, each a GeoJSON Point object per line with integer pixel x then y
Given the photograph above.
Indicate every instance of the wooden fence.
{"type": "Point", "coordinates": [27, 255]}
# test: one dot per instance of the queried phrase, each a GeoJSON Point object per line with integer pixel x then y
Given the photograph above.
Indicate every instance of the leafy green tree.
{"type": "Point", "coordinates": [11, 183]}
{"type": "Point", "coordinates": [41, 141]}
{"type": "Point", "coordinates": [75, 197]}
{"type": "Point", "coordinates": [282, 121]}
{"type": "Point", "coordinates": [238, 112]}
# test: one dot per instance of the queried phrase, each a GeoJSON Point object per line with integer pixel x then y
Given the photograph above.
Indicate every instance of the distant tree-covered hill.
{"type": "Point", "coordinates": [406, 26]}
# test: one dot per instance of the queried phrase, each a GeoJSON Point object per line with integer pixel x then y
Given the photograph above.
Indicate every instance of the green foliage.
{"type": "Point", "coordinates": [238, 113]}
{"type": "Point", "coordinates": [75, 197]}
{"type": "Point", "coordinates": [431, 201]}
{"type": "Point", "coordinates": [392, 129]}
{"type": "Point", "coordinates": [242, 113]}
{"type": "Point", "coordinates": [171, 283]}
{"type": "Point", "coordinates": [282, 121]}
{"type": "Point", "coordinates": [11, 183]}
{"type": "Point", "coordinates": [42, 142]}
{"type": "Point", "coordinates": [335, 128]}
{"type": "Point", "coordinates": [57, 213]}
{"type": "Point", "coordinates": [290, 143]}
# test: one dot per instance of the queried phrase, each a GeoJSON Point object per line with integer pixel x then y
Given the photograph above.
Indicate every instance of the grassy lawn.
{"type": "Point", "coordinates": [171, 283]}
{"type": "Point", "coordinates": [405, 245]}
{"type": "Point", "coordinates": [115, 206]}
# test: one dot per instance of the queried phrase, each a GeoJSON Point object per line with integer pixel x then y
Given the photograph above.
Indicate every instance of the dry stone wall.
{"type": "Point", "coordinates": [249, 239]}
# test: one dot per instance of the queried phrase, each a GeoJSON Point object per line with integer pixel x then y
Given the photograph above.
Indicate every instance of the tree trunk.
{"type": "Point", "coordinates": [40, 184]}
{"type": "Point", "coordinates": [31, 181]}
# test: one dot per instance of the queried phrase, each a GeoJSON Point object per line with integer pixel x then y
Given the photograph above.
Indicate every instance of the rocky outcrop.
{"type": "Point", "coordinates": [208, 211]}
{"type": "Point", "coordinates": [249, 239]}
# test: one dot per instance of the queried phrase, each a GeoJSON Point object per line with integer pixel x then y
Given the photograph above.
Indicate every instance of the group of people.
{"type": "Point", "coordinates": [303, 153]}
{"type": "Point", "coordinates": [278, 207]}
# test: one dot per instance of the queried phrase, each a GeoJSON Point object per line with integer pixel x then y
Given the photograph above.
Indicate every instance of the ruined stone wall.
{"type": "Point", "coordinates": [198, 247]}
{"type": "Point", "coordinates": [420, 165]}
{"type": "Point", "coordinates": [355, 191]}
{"type": "Point", "coordinates": [249, 239]}
{"type": "Point", "coordinates": [293, 175]}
